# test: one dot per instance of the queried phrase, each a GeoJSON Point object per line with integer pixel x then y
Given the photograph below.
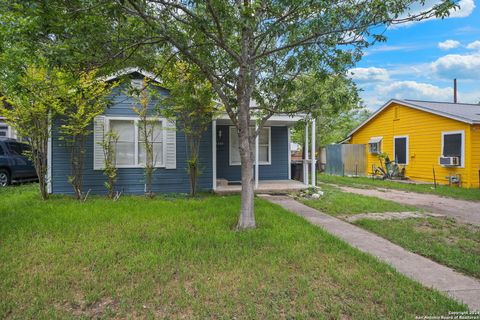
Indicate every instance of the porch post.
{"type": "Point", "coordinates": [289, 154]}
{"type": "Point", "coordinates": [49, 160]}
{"type": "Point", "coordinates": [305, 161]}
{"type": "Point", "coordinates": [314, 159]}
{"type": "Point", "coordinates": [214, 155]}
{"type": "Point", "coordinates": [256, 157]}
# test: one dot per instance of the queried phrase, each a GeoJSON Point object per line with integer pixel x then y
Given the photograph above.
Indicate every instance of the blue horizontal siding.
{"type": "Point", "coordinates": [277, 170]}
{"type": "Point", "coordinates": [130, 180]}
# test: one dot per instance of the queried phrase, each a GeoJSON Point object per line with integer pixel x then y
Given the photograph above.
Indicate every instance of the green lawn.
{"type": "Point", "coordinates": [336, 202]}
{"type": "Point", "coordinates": [180, 258]}
{"type": "Point", "coordinates": [446, 191]}
{"type": "Point", "coordinates": [443, 240]}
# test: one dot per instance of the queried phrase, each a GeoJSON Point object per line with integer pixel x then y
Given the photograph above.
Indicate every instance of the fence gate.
{"type": "Point", "coordinates": [346, 159]}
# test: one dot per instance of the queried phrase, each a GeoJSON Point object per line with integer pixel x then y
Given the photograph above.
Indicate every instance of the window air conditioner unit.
{"type": "Point", "coordinates": [449, 161]}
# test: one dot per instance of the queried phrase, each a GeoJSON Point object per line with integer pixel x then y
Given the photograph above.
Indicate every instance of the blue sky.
{"type": "Point", "coordinates": [420, 60]}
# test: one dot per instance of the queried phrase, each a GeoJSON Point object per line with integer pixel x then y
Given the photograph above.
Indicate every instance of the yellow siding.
{"type": "Point", "coordinates": [475, 162]}
{"type": "Point", "coordinates": [424, 131]}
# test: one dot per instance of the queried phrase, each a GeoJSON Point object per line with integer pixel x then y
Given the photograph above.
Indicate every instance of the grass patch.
{"type": "Point", "coordinates": [179, 258]}
{"type": "Point", "coordinates": [336, 202]}
{"type": "Point", "coordinates": [441, 190]}
{"type": "Point", "coordinates": [443, 240]}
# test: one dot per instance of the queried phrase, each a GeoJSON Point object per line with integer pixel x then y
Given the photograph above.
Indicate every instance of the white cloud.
{"type": "Point", "coordinates": [414, 90]}
{"type": "Point", "coordinates": [475, 45]}
{"type": "Point", "coordinates": [371, 74]}
{"type": "Point", "coordinates": [387, 48]}
{"type": "Point", "coordinates": [465, 30]}
{"type": "Point", "coordinates": [457, 66]}
{"type": "Point", "coordinates": [448, 44]}
{"type": "Point", "coordinates": [465, 9]}
{"type": "Point", "coordinates": [374, 97]}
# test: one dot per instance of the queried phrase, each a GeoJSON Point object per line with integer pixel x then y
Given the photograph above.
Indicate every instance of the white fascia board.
{"type": "Point", "coordinates": [277, 117]}
{"type": "Point", "coordinates": [126, 71]}
{"type": "Point", "coordinates": [413, 106]}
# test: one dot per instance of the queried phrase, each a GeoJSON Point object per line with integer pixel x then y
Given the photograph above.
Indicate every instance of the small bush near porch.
{"type": "Point", "coordinates": [179, 258]}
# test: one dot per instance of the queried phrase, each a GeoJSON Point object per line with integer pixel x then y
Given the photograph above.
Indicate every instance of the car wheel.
{"type": "Point", "coordinates": [4, 178]}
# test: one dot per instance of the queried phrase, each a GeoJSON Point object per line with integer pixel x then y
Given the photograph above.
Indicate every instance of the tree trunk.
{"type": "Point", "coordinates": [39, 157]}
{"type": "Point", "coordinates": [247, 216]}
{"type": "Point", "coordinates": [245, 85]}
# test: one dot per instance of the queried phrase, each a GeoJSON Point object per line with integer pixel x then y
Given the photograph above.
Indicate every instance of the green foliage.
{"type": "Point", "coordinates": [84, 99]}
{"type": "Point", "coordinates": [334, 103]}
{"type": "Point", "coordinates": [443, 240]}
{"type": "Point", "coordinates": [336, 202]}
{"type": "Point", "coordinates": [178, 258]}
{"type": "Point", "coordinates": [109, 144]}
{"type": "Point", "coordinates": [146, 125]}
{"type": "Point", "coordinates": [78, 35]}
{"type": "Point", "coordinates": [191, 102]}
{"type": "Point", "coordinates": [248, 50]}
{"type": "Point", "coordinates": [29, 106]}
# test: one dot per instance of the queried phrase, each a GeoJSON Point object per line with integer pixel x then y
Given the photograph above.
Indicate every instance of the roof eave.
{"type": "Point", "coordinates": [127, 71]}
{"type": "Point", "coordinates": [414, 106]}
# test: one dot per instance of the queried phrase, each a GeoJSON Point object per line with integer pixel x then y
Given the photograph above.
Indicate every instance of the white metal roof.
{"type": "Point", "coordinates": [463, 112]}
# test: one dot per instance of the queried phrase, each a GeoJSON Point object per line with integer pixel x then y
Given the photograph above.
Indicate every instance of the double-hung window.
{"type": "Point", "coordinates": [453, 145]}
{"type": "Point", "coordinates": [155, 138]}
{"type": "Point", "coordinates": [3, 129]}
{"type": "Point", "coordinates": [130, 149]}
{"type": "Point", "coordinates": [264, 146]}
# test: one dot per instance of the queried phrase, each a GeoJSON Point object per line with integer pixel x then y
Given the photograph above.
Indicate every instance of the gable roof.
{"type": "Point", "coordinates": [463, 112]}
{"type": "Point", "coordinates": [126, 71]}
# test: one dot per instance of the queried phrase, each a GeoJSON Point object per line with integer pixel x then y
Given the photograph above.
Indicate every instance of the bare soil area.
{"type": "Point", "coordinates": [461, 210]}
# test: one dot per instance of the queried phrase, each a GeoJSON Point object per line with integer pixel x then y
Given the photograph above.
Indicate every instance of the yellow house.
{"type": "Point", "coordinates": [424, 135]}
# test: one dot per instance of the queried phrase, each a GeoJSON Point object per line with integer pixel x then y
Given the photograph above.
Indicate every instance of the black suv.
{"type": "Point", "coordinates": [14, 165]}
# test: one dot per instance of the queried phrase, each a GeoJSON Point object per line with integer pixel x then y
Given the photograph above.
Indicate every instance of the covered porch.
{"type": "Point", "coordinates": [272, 163]}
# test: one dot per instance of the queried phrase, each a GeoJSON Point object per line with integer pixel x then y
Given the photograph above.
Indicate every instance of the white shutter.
{"type": "Point", "coordinates": [98, 134]}
{"type": "Point", "coordinates": [170, 145]}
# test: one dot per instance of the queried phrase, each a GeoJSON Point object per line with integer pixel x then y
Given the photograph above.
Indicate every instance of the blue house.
{"type": "Point", "coordinates": [219, 155]}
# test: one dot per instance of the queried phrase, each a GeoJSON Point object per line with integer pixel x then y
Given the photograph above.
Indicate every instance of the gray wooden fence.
{"type": "Point", "coordinates": [346, 160]}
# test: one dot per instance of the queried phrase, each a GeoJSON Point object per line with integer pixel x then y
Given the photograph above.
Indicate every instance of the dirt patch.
{"type": "Point", "coordinates": [461, 210]}
{"type": "Point", "coordinates": [385, 216]}
{"type": "Point", "coordinates": [424, 227]}
{"type": "Point", "coordinates": [95, 310]}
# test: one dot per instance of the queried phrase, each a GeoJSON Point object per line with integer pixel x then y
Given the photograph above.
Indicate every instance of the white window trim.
{"type": "Point", "coordinates": [136, 120]}
{"type": "Point", "coordinates": [407, 149]}
{"type": "Point", "coordinates": [462, 132]}
{"type": "Point", "coordinates": [261, 163]}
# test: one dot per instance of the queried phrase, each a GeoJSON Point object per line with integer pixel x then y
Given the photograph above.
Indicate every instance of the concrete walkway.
{"type": "Point", "coordinates": [461, 210]}
{"type": "Point", "coordinates": [423, 270]}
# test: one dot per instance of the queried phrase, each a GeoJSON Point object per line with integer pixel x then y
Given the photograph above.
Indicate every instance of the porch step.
{"type": "Point", "coordinates": [265, 186]}
{"type": "Point", "coordinates": [222, 182]}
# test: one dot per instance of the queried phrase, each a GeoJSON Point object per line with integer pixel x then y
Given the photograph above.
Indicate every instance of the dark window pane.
{"type": "Point", "coordinates": [401, 150]}
{"type": "Point", "coordinates": [452, 145]}
{"type": "Point", "coordinates": [2, 153]}
{"type": "Point", "coordinates": [17, 148]}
